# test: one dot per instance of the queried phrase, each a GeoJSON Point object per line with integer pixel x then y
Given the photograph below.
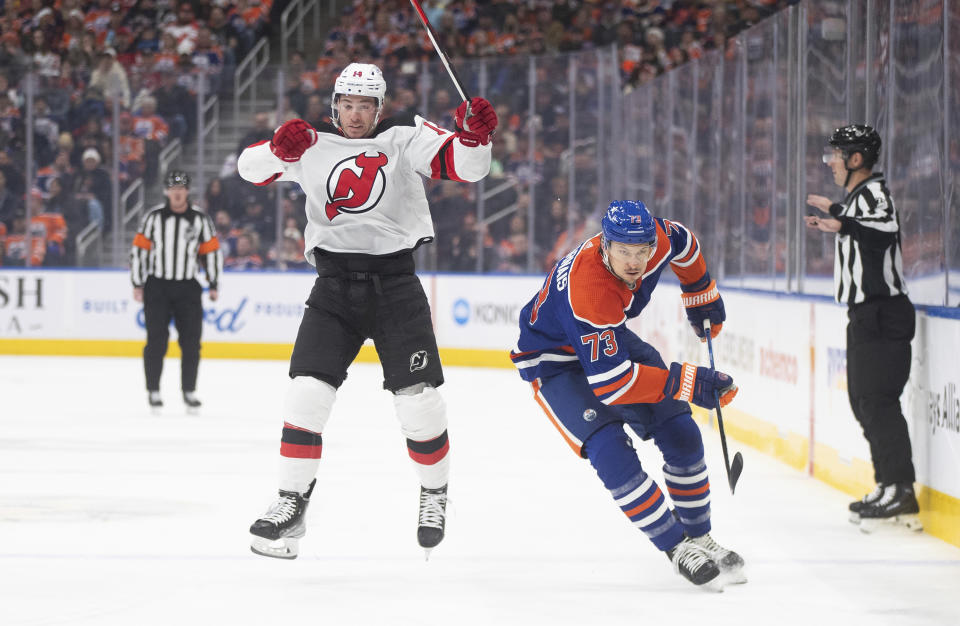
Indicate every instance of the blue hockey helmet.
{"type": "Point", "coordinates": [629, 221]}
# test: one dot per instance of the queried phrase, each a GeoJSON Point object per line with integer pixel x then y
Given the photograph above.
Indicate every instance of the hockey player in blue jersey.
{"type": "Point", "coordinates": [591, 376]}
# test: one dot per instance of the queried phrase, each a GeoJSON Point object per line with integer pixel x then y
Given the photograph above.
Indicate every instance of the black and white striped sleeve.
{"type": "Point", "coordinates": [871, 217]}
{"type": "Point", "coordinates": [141, 249]}
{"type": "Point", "coordinates": [868, 262]}
{"type": "Point", "coordinates": [210, 251]}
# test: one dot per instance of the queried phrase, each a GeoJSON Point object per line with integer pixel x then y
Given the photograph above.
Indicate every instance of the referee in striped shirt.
{"type": "Point", "coordinates": [174, 239]}
{"type": "Point", "coordinates": [868, 272]}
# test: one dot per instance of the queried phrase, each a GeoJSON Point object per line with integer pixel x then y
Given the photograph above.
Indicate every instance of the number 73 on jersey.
{"type": "Point", "coordinates": [606, 340]}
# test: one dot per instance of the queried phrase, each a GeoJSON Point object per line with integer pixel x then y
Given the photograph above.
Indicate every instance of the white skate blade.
{"type": "Point", "coordinates": [193, 410]}
{"type": "Point", "coordinates": [283, 548]}
{"type": "Point", "coordinates": [733, 576]}
{"type": "Point", "coordinates": [426, 553]}
{"type": "Point", "coordinates": [715, 585]}
{"type": "Point", "coordinates": [156, 410]}
{"type": "Point", "coordinates": [854, 518]}
{"type": "Point", "coordinates": [910, 521]}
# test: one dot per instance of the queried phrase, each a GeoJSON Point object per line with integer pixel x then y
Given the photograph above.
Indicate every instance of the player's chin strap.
{"type": "Point", "coordinates": [604, 244]}
{"type": "Point", "coordinates": [850, 170]}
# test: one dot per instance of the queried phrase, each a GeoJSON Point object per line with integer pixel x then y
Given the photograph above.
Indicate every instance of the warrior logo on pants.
{"type": "Point", "coordinates": [353, 192]}
{"type": "Point", "coordinates": [418, 360]}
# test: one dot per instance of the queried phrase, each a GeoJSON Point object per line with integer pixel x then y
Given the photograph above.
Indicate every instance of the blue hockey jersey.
{"type": "Point", "coordinates": [578, 319]}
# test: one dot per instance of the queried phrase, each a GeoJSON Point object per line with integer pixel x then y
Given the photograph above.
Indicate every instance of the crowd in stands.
{"type": "Point", "coordinates": [89, 59]}
{"type": "Point", "coordinates": [651, 37]}
{"type": "Point", "coordinates": [150, 53]}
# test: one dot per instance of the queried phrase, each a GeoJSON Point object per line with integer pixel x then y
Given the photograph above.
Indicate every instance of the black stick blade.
{"type": "Point", "coordinates": [736, 467]}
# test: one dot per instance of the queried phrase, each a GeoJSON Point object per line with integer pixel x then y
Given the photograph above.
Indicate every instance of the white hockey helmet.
{"type": "Point", "coordinates": [359, 79]}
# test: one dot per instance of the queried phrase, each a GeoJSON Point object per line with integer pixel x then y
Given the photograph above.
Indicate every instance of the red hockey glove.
{"type": "Point", "coordinates": [478, 128]}
{"type": "Point", "coordinates": [292, 139]}
{"type": "Point", "coordinates": [704, 304]}
{"type": "Point", "coordinates": [700, 385]}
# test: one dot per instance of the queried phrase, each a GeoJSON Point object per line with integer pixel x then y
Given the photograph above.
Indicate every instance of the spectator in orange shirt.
{"type": "Point", "coordinates": [97, 18]}
{"type": "Point", "coordinates": [252, 14]}
{"type": "Point", "coordinates": [18, 249]}
{"type": "Point", "coordinates": [131, 150]}
{"type": "Point", "coordinates": [245, 257]}
{"type": "Point", "coordinates": [186, 27]}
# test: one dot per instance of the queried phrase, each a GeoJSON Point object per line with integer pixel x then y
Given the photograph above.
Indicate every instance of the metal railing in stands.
{"type": "Point", "coordinates": [510, 183]}
{"type": "Point", "coordinates": [87, 237]}
{"type": "Point", "coordinates": [292, 19]}
{"type": "Point", "coordinates": [131, 213]}
{"type": "Point", "coordinates": [245, 78]}
{"type": "Point", "coordinates": [168, 155]}
{"type": "Point", "coordinates": [208, 121]}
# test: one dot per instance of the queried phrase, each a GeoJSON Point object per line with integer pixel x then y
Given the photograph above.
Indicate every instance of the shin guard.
{"type": "Point", "coordinates": [611, 453]}
{"type": "Point", "coordinates": [306, 409]}
{"type": "Point", "coordinates": [423, 421]}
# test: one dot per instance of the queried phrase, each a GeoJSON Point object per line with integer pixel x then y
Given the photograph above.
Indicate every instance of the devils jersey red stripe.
{"type": "Point", "coordinates": [430, 458]}
{"type": "Point", "coordinates": [442, 165]}
{"type": "Point", "coordinates": [297, 451]}
{"type": "Point", "coordinates": [451, 166]}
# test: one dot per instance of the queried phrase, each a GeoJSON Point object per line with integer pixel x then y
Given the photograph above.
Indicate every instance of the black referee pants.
{"type": "Point", "coordinates": [178, 300]}
{"type": "Point", "coordinates": [878, 365]}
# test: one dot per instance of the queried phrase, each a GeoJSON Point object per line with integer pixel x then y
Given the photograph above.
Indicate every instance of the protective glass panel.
{"type": "Point", "coordinates": [783, 214]}
{"type": "Point", "coordinates": [951, 228]}
{"type": "Point", "coordinates": [706, 206]}
{"type": "Point", "coordinates": [759, 258]}
{"type": "Point", "coordinates": [914, 147]}
{"type": "Point", "coordinates": [730, 80]}
{"type": "Point", "coordinates": [661, 154]}
{"type": "Point", "coordinates": [826, 85]}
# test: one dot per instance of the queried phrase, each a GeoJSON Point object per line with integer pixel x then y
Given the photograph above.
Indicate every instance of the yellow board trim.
{"type": "Point", "coordinates": [216, 350]}
{"type": "Point", "coordinates": [939, 512]}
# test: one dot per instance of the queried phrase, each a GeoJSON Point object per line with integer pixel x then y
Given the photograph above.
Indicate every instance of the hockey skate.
{"type": "Point", "coordinates": [193, 403]}
{"type": "Point", "coordinates": [870, 498]}
{"type": "Point", "coordinates": [730, 563]}
{"type": "Point", "coordinates": [155, 401]}
{"type": "Point", "coordinates": [897, 504]}
{"type": "Point", "coordinates": [694, 563]}
{"type": "Point", "coordinates": [433, 517]}
{"type": "Point", "coordinates": [278, 532]}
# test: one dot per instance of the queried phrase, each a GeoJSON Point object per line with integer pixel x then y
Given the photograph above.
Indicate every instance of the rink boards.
{"type": "Point", "coordinates": [787, 354]}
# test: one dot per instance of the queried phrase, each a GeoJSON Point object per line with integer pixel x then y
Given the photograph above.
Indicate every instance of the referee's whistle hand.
{"type": "Point", "coordinates": [821, 202]}
{"type": "Point", "coordinates": [138, 294]}
{"type": "Point", "coordinates": [213, 295]}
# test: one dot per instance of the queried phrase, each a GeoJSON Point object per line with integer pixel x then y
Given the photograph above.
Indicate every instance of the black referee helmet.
{"type": "Point", "coordinates": [177, 178]}
{"type": "Point", "coordinates": [857, 138]}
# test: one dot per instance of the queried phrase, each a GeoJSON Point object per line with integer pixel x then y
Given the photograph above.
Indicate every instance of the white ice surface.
{"type": "Point", "coordinates": [109, 515]}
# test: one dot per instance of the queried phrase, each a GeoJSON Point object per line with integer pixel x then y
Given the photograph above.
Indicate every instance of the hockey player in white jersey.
{"type": "Point", "coordinates": [367, 212]}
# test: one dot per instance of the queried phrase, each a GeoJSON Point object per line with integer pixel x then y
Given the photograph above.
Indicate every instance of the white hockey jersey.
{"type": "Point", "coordinates": [365, 196]}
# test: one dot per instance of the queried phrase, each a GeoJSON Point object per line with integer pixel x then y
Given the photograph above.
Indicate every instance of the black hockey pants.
{"type": "Point", "coordinates": [878, 365]}
{"type": "Point", "coordinates": [179, 300]}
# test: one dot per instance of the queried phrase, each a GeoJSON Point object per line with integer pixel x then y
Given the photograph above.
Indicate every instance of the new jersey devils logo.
{"type": "Point", "coordinates": [356, 184]}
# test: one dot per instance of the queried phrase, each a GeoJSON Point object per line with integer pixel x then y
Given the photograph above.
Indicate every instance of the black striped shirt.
{"type": "Point", "coordinates": [868, 262]}
{"type": "Point", "coordinates": [172, 246]}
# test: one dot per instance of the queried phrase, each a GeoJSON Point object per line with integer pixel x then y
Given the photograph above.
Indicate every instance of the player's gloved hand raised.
{"type": "Point", "coordinates": [478, 128]}
{"type": "Point", "coordinates": [704, 303]}
{"type": "Point", "coordinates": [700, 385]}
{"type": "Point", "coordinates": [291, 140]}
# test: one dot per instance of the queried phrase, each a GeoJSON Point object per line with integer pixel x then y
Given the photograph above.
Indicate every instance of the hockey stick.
{"type": "Point", "coordinates": [733, 469]}
{"type": "Point", "coordinates": [443, 57]}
